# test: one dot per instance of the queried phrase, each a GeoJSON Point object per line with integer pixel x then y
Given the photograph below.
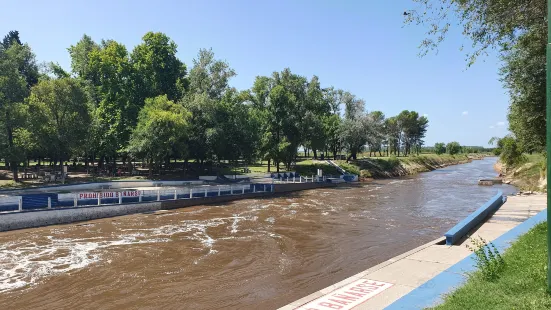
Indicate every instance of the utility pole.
{"type": "Point", "coordinates": [548, 142]}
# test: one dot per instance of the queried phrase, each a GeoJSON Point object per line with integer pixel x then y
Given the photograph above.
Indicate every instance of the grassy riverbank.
{"type": "Point", "coordinates": [529, 175]}
{"type": "Point", "coordinates": [387, 167]}
{"type": "Point", "coordinates": [521, 285]}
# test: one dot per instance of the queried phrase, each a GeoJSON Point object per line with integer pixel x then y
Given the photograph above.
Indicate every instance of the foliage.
{"type": "Point", "coordinates": [439, 148]}
{"type": "Point", "coordinates": [511, 154]}
{"type": "Point", "coordinates": [488, 259]}
{"type": "Point", "coordinates": [488, 24]}
{"type": "Point", "coordinates": [161, 129]}
{"type": "Point", "coordinates": [143, 103]}
{"type": "Point", "coordinates": [53, 109]}
{"type": "Point", "coordinates": [18, 73]}
{"type": "Point", "coordinates": [518, 29]}
{"type": "Point", "coordinates": [453, 148]}
{"type": "Point", "coordinates": [524, 76]}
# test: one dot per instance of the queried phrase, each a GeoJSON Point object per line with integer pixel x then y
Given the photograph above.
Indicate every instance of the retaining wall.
{"type": "Point", "coordinates": [38, 218]}
{"type": "Point", "coordinates": [62, 215]}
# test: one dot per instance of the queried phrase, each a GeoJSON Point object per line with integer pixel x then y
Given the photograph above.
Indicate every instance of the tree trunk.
{"type": "Point", "coordinates": [13, 163]}
{"type": "Point", "coordinates": [277, 166]}
{"type": "Point", "coordinates": [315, 153]}
{"type": "Point", "coordinates": [269, 161]}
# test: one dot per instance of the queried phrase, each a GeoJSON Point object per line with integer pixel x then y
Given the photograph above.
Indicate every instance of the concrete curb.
{"type": "Point", "coordinates": [432, 292]}
{"type": "Point", "coordinates": [462, 228]}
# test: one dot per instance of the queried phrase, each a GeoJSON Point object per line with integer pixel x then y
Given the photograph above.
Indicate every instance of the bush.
{"type": "Point", "coordinates": [453, 148]}
{"type": "Point", "coordinates": [487, 258]}
{"type": "Point", "coordinates": [365, 174]}
{"type": "Point", "coordinates": [511, 153]}
{"type": "Point", "coordinates": [440, 148]}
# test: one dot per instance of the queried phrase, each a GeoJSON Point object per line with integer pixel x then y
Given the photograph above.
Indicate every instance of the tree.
{"type": "Point", "coordinates": [209, 75]}
{"type": "Point", "coordinates": [393, 131]}
{"type": "Point", "coordinates": [518, 29]}
{"type": "Point", "coordinates": [116, 112]}
{"type": "Point", "coordinates": [317, 108]}
{"type": "Point", "coordinates": [524, 75]}
{"type": "Point", "coordinates": [488, 24]}
{"type": "Point", "coordinates": [18, 72]}
{"type": "Point", "coordinates": [162, 128]}
{"type": "Point", "coordinates": [439, 148]}
{"type": "Point", "coordinates": [157, 70]}
{"type": "Point", "coordinates": [511, 153]}
{"type": "Point", "coordinates": [80, 59]}
{"type": "Point", "coordinates": [377, 133]}
{"type": "Point", "coordinates": [11, 38]}
{"type": "Point", "coordinates": [453, 148]}
{"type": "Point", "coordinates": [57, 109]}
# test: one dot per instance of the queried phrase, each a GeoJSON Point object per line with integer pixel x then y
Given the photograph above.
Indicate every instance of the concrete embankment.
{"type": "Point", "coordinates": [420, 278]}
{"type": "Point", "coordinates": [56, 216]}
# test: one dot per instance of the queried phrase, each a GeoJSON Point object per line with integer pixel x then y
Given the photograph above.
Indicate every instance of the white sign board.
{"type": "Point", "coordinates": [96, 195]}
{"type": "Point", "coordinates": [348, 296]}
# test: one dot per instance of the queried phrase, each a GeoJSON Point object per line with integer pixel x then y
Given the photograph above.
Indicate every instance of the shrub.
{"type": "Point", "coordinates": [511, 153]}
{"type": "Point", "coordinates": [487, 258]}
{"type": "Point", "coordinates": [364, 174]}
{"type": "Point", "coordinates": [453, 148]}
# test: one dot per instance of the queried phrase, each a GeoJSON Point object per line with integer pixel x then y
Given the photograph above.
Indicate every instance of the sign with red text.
{"type": "Point", "coordinates": [348, 296]}
{"type": "Point", "coordinates": [101, 195]}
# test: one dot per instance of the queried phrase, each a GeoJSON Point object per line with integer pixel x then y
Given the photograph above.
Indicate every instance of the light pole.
{"type": "Point", "coordinates": [548, 142]}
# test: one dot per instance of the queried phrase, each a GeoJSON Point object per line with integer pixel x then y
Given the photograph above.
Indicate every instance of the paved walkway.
{"type": "Point", "coordinates": [381, 285]}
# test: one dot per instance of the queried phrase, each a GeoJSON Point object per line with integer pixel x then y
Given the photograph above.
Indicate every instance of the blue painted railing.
{"type": "Point", "coordinates": [462, 228]}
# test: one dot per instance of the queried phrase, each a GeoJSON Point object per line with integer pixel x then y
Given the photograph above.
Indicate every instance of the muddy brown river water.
{"type": "Point", "coordinates": [248, 254]}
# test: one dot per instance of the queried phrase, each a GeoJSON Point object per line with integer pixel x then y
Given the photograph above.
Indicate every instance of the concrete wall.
{"type": "Point", "coordinates": [291, 187]}
{"type": "Point", "coordinates": [59, 215]}
{"type": "Point", "coordinates": [38, 218]}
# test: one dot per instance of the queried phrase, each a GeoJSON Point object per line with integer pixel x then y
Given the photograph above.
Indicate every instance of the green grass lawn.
{"type": "Point", "coordinates": [521, 285]}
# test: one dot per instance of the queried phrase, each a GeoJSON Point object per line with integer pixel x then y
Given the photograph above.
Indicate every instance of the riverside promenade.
{"type": "Point", "coordinates": [383, 285]}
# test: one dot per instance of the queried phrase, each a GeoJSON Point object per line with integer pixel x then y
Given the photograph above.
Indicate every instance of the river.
{"type": "Point", "coordinates": [247, 254]}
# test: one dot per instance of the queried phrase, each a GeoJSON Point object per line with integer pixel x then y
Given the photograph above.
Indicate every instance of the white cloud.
{"type": "Point", "coordinates": [492, 127]}
{"type": "Point", "coordinates": [500, 124]}
{"type": "Point", "coordinates": [465, 113]}
{"type": "Point", "coordinates": [425, 115]}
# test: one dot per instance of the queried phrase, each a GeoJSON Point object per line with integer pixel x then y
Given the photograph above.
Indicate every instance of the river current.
{"type": "Point", "coordinates": [247, 254]}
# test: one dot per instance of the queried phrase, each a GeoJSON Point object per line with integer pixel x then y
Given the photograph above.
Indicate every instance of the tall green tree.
{"type": "Point", "coordinates": [161, 129]}
{"type": "Point", "coordinates": [377, 133]}
{"type": "Point", "coordinates": [18, 72]}
{"type": "Point", "coordinates": [57, 110]}
{"type": "Point", "coordinates": [156, 69]}
{"type": "Point", "coordinates": [116, 111]}
{"type": "Point", "coordinates": [209, 75]}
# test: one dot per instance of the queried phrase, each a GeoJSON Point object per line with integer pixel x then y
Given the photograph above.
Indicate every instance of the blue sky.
{"type": "Point", "coordinates": [359, 46]}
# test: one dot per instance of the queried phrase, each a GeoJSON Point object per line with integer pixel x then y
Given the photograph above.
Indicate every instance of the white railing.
{"type": "Point", "coordinates": [15, 203]}
{"type": "Point", "coordinates": [300, 179]}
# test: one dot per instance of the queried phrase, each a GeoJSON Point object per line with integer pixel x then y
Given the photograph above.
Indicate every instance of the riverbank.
{"type": "Point", "coordinates": [527, 176]}
{"type": "Point", "coordinates": [424, 276]}
{"type": "Point", "coordinates": [403, 166]}
{"type": "Point", "coordinates": [389, 167]}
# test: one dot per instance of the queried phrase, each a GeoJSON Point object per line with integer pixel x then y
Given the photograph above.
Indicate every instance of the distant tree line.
{"type": "Point", "coordinates": [147, 105]}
